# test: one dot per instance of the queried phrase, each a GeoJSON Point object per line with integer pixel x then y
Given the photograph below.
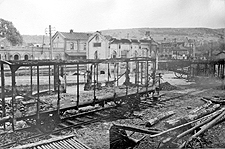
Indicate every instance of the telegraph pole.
{"type": "Point", "coordinates": [50, 36]}
{"type": "Point", "coordinates": [49, 31]}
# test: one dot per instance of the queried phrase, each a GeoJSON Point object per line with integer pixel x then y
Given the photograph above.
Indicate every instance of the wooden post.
{"type": "Point", "coordinates": [78, 95]}
{"type": "Point", "coordinates": [55, 77]}
{"type": "Point", "coordinates": [13, 96]}
{"type": "Point", "coordinates": [147, 79]}
{"type": "Point", "coordinates": [117, 74]}
{"type": "Point", "coordinates": [31, 80]}
{"type": "Point", "coordinates": [141, 72]}
{"type": "Point", "coordinates": [108, 72]}
{"type": "Point", "coordinates": [3, 91]}
{"type": "Point", "coordinates": [128, 81]}
{"type": "Point", "coordinates": [137, 68]}
{"type": "Point", "coordinates": [49, 79]}
{"type": "Point", "coordinates": [97, 75]}
{"type": "Point", "coordinates": [38, 96]}
{"type": "Point", "coordinates": [94, 86]}
{"type": "Point", "coordinates": [58, 90]}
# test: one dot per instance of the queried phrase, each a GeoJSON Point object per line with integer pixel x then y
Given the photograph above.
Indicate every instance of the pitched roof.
{"type": "Point", "coordinates": [134, 41]}
{"type": "Point", "coordinates": [125, 41]}
{"type": "Point", "coordinates": [145, 41]}
{"type": "Point", "coordinates": [75, 35]}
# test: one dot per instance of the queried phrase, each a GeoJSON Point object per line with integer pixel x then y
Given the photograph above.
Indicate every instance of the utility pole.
{"type": "Point", "coordinates": [49, 31]}
{"type": "Point", "coordinates": [50, 36]}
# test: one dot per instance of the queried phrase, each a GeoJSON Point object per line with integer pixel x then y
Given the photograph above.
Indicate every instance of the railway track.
{"type": "Point", "coordinates": [97, 115]}
{"type": "Point", "coordinates": [72, 121]}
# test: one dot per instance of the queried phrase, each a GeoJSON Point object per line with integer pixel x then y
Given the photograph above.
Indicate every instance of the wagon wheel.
{"type": "Point", "coordinates": [179, 75]}
{"type": "Point", "coordinates": [194, 143]}
{"type": "Point", "coordinates": [118, 101]}
{"type": "Point", "coordinates": [48, 124]}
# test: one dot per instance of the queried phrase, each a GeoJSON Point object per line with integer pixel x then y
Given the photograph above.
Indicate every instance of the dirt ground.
{"type": "Point", "coordinates": [96, 135]}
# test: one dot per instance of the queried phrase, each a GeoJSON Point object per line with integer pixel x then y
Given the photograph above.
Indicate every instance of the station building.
{"type": "Point", "coordinates": [65, 46]}
{"type": "Point", "coordinates": [105, 47]}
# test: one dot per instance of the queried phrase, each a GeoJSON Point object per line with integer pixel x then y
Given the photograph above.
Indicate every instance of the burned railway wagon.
{"type": "Point", "coordinates": [193, 68]}
{"type": "Point", "coordinates": [40, 101]}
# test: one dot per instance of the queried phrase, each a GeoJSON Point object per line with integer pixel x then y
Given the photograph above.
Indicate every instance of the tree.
{"type": "Point", "coordinates": [10, 32]}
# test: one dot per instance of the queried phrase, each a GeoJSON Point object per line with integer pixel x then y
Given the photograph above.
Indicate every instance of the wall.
{"type": "Point", "coordinates": [98, 45]}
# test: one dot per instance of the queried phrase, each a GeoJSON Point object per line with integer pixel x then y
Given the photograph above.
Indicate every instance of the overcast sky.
{"type": "Point", "coordinates": [32, 17]}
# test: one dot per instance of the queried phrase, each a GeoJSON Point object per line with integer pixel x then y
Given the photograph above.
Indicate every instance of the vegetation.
{"type": "Point", "coordinates": [8, 30]}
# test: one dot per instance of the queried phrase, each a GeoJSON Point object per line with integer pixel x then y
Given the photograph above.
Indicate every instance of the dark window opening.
{"type": "Point", "coordinates": [26, 57]}
{"type": "Point", "coordinates": [102, 72]}
{"type": "Point", "coordinates": [96, 55]}
{"type": "Point", "coordinates": [97, 44]}
{"type": "Point", "coordinates": [16, 57]}
{"type": "Point", "coordinates": [114, 54]}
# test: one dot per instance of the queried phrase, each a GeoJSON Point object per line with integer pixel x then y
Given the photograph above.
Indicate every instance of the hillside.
{"type": "Point", "coordinates": [158, 34]}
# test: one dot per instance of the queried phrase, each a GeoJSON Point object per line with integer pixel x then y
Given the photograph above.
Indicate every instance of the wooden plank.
{"type": "Point", "coordinates": [71, 122]}
{"type": "Point", "coordinates": [160, 117]}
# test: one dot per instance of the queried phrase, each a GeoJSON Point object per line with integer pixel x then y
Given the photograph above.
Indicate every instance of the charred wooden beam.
{"type": "Point", "coordinates": [160, 117]}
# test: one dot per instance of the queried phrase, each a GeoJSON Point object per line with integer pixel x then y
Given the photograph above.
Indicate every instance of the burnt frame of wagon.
{"type": "Point", "coordinates": [210, 67]}
{"type": "Point", "coordinates": [15, 65]}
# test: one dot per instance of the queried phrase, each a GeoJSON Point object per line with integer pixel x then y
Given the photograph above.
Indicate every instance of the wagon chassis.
{"type": "Point", "coordinates": [46, 121]}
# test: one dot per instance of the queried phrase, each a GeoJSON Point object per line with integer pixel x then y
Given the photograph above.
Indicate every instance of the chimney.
{"type": "Point", "coordinates": [71, 31]}
{"type": "Point", "coordinates": [99, 32]}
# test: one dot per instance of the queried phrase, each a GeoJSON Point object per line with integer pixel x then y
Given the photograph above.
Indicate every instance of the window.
{"type": "Point", "coordinates": [96, 55]}
{"type": "Point", "coordinates": [25, 57]}
{"type": "Point", "coordinates": [124, 54]}
{"type": "Point", "coordinates": [71, 45]}
{"type": "Point", "coordinates": [97, 44]}
{"type": "Point", "coordinates": [114, 54]}
{"type": "Point", "coordinates": [16, 57]}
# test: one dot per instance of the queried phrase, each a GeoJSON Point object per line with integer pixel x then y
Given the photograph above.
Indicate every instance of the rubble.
{"type": "Point", "coordinates": [166, 86]}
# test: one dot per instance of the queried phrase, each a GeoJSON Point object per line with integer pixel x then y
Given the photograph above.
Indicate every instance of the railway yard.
{"type": "Point", "coordinates": [185, 113]}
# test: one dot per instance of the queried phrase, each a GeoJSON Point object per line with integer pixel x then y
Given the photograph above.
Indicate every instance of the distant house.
{"type": "Point", "coordinates": [24, 53]}
{"type": "Point", "coordinates": [103, 47]}
{"type": "Point", "coordinates": [98, 46]}
{"type": "Point", "coordinates": [174, 50]}
{"type": "Point", "coordinates": [69, 45]}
